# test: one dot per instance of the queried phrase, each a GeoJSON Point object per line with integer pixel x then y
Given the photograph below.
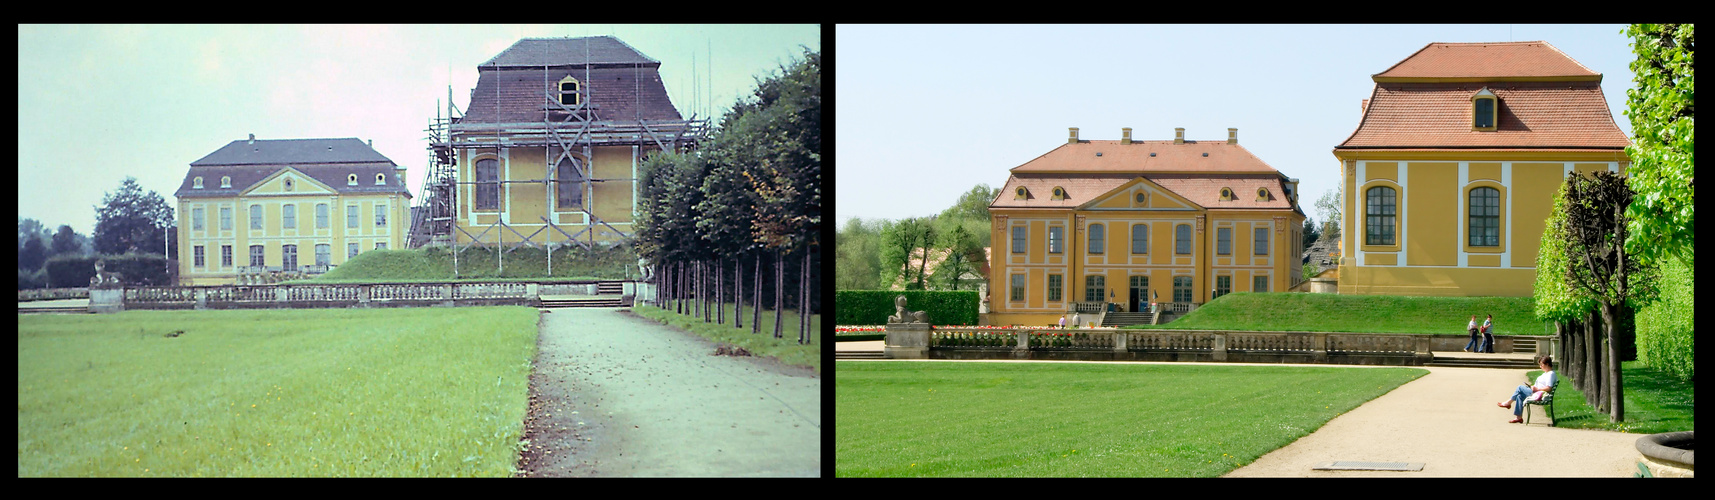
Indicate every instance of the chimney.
{"type": "Point", "coordinates": [372, 144]}
{"type": "Point", "coordinates": [1074, 137]}
{"type": "Point", "coordinates": [1232, 135]}
{"type": "Point", "coordinates": [1125, 135]}
{"type": "Point", "coordinates": [1179, 135]}
{"type": "Point", "coordinates": [253, 138]}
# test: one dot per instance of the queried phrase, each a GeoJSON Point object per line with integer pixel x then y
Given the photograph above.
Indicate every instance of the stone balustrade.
{"type": "Point", "coordinates": [353, 295]}
{"type": "Point", "coordinates": [1171, 345]}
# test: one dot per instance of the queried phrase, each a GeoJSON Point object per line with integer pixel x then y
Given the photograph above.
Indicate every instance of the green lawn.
{"type": "Point", "coordinates": [786, 349]}
{"type": "Point", "coordinates": [1326, 312]}
{"type": "Point", "coordinates": [1656, 402]}
{"type": "Point", "coordinates": [310, 392]}
{"type": "Point", "coordinates": [948, 419]}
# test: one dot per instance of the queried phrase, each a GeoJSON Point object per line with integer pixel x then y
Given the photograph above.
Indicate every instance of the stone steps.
{"type": "Point", "coordinates": [859, 355]}
{"type": "Point", "coordinates": [583, 301]}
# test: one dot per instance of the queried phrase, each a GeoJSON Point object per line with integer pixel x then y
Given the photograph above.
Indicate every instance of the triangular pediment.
{"type": "Point", "coordinates": [287, 181]}
{"type": "Point", "coordinates": [1155, 197]}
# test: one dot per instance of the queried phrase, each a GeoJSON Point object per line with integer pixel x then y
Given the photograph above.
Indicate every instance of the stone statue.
{"type": "Point", "coordinates": [103, 278]}
{"type": "Point", "coordinates": [903, 316]}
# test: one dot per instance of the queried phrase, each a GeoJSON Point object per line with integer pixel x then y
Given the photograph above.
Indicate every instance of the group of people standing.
{"type": "Point", "coordinates": [1487, 343]}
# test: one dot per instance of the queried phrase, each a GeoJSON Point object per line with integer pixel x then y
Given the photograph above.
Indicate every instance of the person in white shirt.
{"type": "Point", "coordinates": [1533, 392]}
{"type": "Point", "coordinates": [1472, 327]}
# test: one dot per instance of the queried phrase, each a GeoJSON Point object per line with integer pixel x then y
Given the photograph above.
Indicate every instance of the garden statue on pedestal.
{"type": "Point", "coordinates": [104, 279]}
{"type": "Point", "coordinates": [903, 316]}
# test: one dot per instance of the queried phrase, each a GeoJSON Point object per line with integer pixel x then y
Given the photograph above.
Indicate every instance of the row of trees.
{"type": "Point", "coordinates": [752, 194]}
{"type": "Point", "coordinates": [128, 221]}
{"type": "Point", "coordinates": [1608, 236]}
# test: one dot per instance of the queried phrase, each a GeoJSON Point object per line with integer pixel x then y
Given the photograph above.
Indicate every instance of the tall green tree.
{"type": "Point", "coordinates": [963, 250]}
{"type": "Point", "coordinates": [1572, 312]}
{"type": "Point", "coordinates": [857, 261]}
{"type": "Point", "coordinates": [1328, 210]}
{"type": "Point", "coordinates": [1662, 107]}
{"type": "Point", "coordinates": [1600, 267]}
{"type": "Point", "coordinates": [65, 242]}
{"type": "Point", "coordinates": [130, 220]}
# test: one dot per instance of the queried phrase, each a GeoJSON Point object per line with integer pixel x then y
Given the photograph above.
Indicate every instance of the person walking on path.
{"type": "Point", "coordinates": [1062, 321]}
{"type": "Point", "coordinates": [1472, 327]}
{"type": "Point", "coordinates": [1488, 335]}
{"type": "Point", "coordinates": [1533, 392]}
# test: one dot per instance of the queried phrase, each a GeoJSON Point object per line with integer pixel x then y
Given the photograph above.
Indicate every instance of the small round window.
{"type": "Point", "coordinates": [1059, 194]}
{"type": "Point", "coordinates": [1021, 193]}
{"type": "Point", "coordinates": [1139, 197]}
{"type": "Point", "coordinates": [1226, 194]}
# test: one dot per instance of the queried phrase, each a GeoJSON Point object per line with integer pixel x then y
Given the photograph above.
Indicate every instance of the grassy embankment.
{"type": "Point", "coordinates": [786, 348]}
{"type": "Point", "coordinates": [523, 264]}
{"type": "Point", "coordinates": [316, 392]}
{"type": "Point", "coordinates": [949, 419]}
{"type": "Point", "coordinates": [1655, 402]}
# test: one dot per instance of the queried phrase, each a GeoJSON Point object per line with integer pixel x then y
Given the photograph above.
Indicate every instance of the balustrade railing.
{"type": "Point", "coordinates": [343, 295]}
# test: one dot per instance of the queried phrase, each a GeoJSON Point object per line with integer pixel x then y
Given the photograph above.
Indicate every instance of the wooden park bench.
{"type": "Point", "coordinates": [1547, 402]}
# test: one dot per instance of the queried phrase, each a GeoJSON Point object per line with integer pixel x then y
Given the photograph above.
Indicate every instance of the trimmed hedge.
{"type": "Point", "coordinates": [1664, 328]}
{"type": "Point", "coordinates": [65, 271]}
{"type": "Point", "coordinates": [872, 307]}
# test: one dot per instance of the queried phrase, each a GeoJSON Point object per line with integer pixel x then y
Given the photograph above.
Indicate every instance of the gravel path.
{"type": "Point", "coordinates": [617, 395]}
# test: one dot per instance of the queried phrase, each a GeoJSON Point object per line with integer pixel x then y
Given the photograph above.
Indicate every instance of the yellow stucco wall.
{"type": "Point", "coordinates": [274, 234]}
{"type": "Point", "coordinates": [524, 205]}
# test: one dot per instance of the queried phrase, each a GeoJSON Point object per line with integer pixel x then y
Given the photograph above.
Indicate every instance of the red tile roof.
{"type": "Point", "coordinates": [1492, 60]}
{"type": "Point", "coordinates": [1532, 115]}
{"type": "Point", "coordinates": [1202, 189]}
{"type": "Point", "coordinates": [1135, 158]}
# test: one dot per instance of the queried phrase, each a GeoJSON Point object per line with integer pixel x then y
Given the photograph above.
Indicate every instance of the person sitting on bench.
{"type": "Point", "coordinates": [1533, 392]}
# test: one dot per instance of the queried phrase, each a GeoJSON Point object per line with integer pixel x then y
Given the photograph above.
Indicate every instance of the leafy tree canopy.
{"type": "Point", "coordinates": [1661, 107]}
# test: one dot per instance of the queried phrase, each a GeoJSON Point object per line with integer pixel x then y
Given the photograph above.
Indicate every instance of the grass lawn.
{"type": "Point", "coordinates": [786, 348]}
{"type": "Point", "coordinates": [1656, 402]}
{"type": "Point", "coordinates": [950, 419]}
{"type": "Point", "coordinates": [1327, 312]}
{"type": "Point", "coordinates": [311, 392]}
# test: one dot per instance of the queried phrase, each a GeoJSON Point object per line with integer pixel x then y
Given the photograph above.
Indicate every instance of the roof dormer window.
{"type": "Point", "coordinates": [351, 180]}
{"type": "Point", "coordinates": [1020, 193]}
{"type": "Point", "coordinates": [380, 179]}
{"type": "Point", "coordinates": [1261, 194]}
{"type": "Point", "coordinates": [1485, 110]}
{"type": "Point", "coordinates": [1227, 194]}
{"type": "Point", "coordinates": [225, 181]}
{"type": "Point", "coordinates": [570, 91]}
{"type": "Point", "coordinates": [196, 183]}
{"type": "Point", "coordinates": [1059, 193]}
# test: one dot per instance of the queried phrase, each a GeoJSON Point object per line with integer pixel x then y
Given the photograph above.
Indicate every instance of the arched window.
{"type": "Point", "coordinates": [1379, 215]}
{"type": "Point", "coordinates": [1226, 194]}
{"type": "Point", "coordinates": [570, 91]}
{"type": "Point", "coordinates": [1020, 193]}
{"type": "Point", "coordinates": [569, 184]}
{"type": "Point", "coordinates": [1485, 108]}
{"type": "Point", "coordinates": [1485, 217]}
{"type": "Point", "coordinates": [1182, 239]}
{"type": "Point", "coordinates": [225, 181]}
{"type": "Point", "coordinates": [1140, 238]}
{"type": "Point", "coordinates": [1059, 193]}
{"type": "Point", "coordinates": [1098, 238]}
{"type": "Point", "coordinates": [488, 189]}
{"type": "Point", "coordinates": [380, 179]}
{"type": "Point", "coordinates": [196, 183]}
{"type": "Point", "coordinates": [351, 180]}
{"type": "Point", "coordinates": [1095, 288]}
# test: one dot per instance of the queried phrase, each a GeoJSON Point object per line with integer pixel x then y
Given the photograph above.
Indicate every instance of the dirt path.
{"type": "Point", "coordinates": [618, 395]}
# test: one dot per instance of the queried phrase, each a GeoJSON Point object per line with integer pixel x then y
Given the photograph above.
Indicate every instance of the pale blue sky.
{"type": "Point", "coordinates": [926, 112]}
{"type": "Point", "coordinates": [98, 103]}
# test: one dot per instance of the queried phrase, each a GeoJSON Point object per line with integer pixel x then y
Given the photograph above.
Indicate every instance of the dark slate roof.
{"type": "Point", "coordinates": [292, 151]}
{"type": "Point", "coordinates": [538, 52]}
{"type": "Point", "coordinates": [248, 162]}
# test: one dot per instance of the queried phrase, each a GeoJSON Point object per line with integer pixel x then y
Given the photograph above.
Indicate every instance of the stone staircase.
{"type": "Point", "coordinates": [559, 301]}
{"type": "Point", "coordinates": [1127, 318]}
{"type": "Point", "coordinates": [1477, 360]}
{"type": "Point", "coordinates": [859, 355]}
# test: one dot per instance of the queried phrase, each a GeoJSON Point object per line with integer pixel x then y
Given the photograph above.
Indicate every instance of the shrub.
{"type": "Point", "coordinates": [69, 271]}
{"type": "Point", "coordinates": [872, 307]}
{"type": "Point", "coordinates": [1664, 329]}
{"type": "Point", "coordinates": [29, 280]}
{"type": "Point", "coordinates": [66, 271]}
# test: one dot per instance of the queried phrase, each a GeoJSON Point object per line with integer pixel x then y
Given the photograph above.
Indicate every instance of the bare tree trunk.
{"type": "Point", "coordinates": [678, 288]}
{"type": "Point", "coordinates": [804, 299]}
{"type": "Point", "coordinates": [779, 287]}
{"type": "Point", "coordinates": [756, 301]}
{"type": "Point", "coordinates": [720, 286]}
{"type": "Point", "coordinates": [1593, 362]}
{"type": "Point", "coordinates": [738, 291]}
{"type": "Point", "coordinates": [1616, 392]}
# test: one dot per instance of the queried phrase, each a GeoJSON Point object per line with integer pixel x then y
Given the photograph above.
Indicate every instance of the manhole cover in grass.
{"type": "Point", "coordinates": [1399, 466]}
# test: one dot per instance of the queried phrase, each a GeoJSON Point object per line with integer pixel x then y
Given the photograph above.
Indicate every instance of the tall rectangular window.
{"type": "Point", "coordinates": [1056, 287]}
{"type": "Point", "coordinates": [256, 256]}
{"type": "Point", "coordinates": [226, 256]}
{"type": "Point", "coordinates": [1182, 239]}
{"type": "Point", "coordinates": [350, 250]}
{"type": "Point", "coordinates": [488, 187]}
{"type": "Point", "coordinates": [289, 216]}
{"type": "Point", "coordinates": [381, 216]}
{"type": "Point", "coordinates": [1224, 241]}
{"type": "Point", "coordinates": [322, 254]}
{"type": "Point", "coordinates": [1095, 288]}
{"type": "Point", "coordinates": [568, 185]}
{"type": "Point", "coordinates": [1485, 218]}
{"type": "Point", "coordinates": [321, 216]}
{"type": "Point", "coordinates": [289, 257]}
{"type": "Point", "coordinates": [1017, 294]}
{"type": "Point", "coordinates": [1379, 215]}
{"type": "Point", "coordinates": [256, 217]}
{"type": "Point", "coordinates": [225, 218]}
{"type": "Point", "coordinates": [196, 219]}
{"type": "Point", "coordinates": [1140, 238]}
{"type": "Point", "coordinates": [1223, 286]}
{"type": "Point", "coordinates": [1018, 239]}
{"type": "Point", "coordinates": [1259, 284]}
{"type": "Point", "coordinates": [351, 216]}
{"type": "Point", "coordinates": [1098, 238]}
{"type": "Point", "coordinates": [1054, 235]}
{"type": "Point", "coordinates": [1181, 288]}
{"type": "Point", "coordinates": [1261, 242]}
{"type": "Point", "coordinates": [380, 246]}
{"type": "Point", "coordinates": [197, 252]}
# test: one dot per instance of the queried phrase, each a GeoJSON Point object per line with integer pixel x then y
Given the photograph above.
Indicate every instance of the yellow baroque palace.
{"type": "Point", "coordinates": [1452, 170]}
{"type": "Point", "coordinates": [1102, 224]}
{"type": "Point", "coordinates": [257, 206]}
